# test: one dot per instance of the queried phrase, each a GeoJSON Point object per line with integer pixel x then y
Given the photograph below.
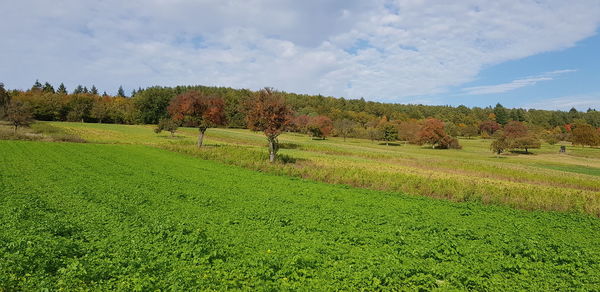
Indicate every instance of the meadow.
{"type": "Point", "coordinates": [122, 216]}
{"type": "Point", "coordinates": [545, 180]}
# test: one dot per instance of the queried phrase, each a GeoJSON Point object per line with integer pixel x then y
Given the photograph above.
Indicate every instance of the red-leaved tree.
{"type": "Point", "coordinates": [320, 127]}
{"type": "Point", "coordinates": [195, 109]}
{"type": "Point", "coordinates": [268, 112]}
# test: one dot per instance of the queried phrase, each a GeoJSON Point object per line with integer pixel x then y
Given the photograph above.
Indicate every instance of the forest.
{"type": "Point", "coordinates": [514, 129]}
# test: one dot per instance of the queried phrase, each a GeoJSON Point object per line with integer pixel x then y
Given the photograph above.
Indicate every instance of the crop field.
{"type": "Point", "coordinates": [544, 180]}
{"type": "Point", "coordinates": [136, 217]}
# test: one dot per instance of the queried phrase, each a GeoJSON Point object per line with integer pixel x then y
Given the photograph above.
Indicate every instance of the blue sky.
{"type": "Point", "coordinates": [538, 53]}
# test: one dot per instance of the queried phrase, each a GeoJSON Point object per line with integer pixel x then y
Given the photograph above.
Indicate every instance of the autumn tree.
{"type": "Point", "coordinates": [585, 134]}
{"type": "Point", "coordinates": [300, 123]}
{"type": "Point", "coordinates": [320, 127]}
{"type": "Point", "coordinates": [196, 109]}
{"type": "Point", "coordinates": [344, 127]}
{"type": "Point", "coordinates": [408, 130]}
{"type": "Point", "coordinates": [432, 132]}
{"type": "Point", "coordinates": [268, 112]}
{"type": "Point", "coordinates": [19, 114]}
{"type": "Point", "coordinates": [489, 127]}
{"type": "Point", "coordinates": [101, 109]}
{"type": "Point", "coordinates": [515, 135]}
{"type": "Point", "coordinates": [166, 124]}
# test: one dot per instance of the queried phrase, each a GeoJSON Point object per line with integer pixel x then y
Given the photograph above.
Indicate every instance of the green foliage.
{"type": "Point", "coordinates": [126, 217]}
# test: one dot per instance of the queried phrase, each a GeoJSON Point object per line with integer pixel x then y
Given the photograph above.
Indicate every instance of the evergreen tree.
{"type": "Point", "coordinates": [62, 89]}
{"type": "Point", "coordinates": [104, 94]}
{"type": "Point", "coordinates": [94, 90]}
{"type": "Point", "coordinates": [501, 114]}
{"type": "Point", "coordinates": [37, 86]}
{"type": "Point", "coordinates": [78, 89]}
{"type": "Point", "coordinates": [48, 88]}
{"type": "Point", "coordinates": [85, 90]}
{"type": "Point", "coordinates": [121, 92]}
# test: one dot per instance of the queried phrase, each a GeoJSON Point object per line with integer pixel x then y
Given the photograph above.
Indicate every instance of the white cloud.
{"type": "Point", "coordinates": [382, 49]}
{"type": "Point", "coordinates": [580, 102]}
{"type": "Point", "coordinates": [515, 84]}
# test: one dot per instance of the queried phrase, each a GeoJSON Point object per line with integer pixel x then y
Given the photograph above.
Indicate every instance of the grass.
{"type": "Point", "coordinates": [133, 217]}
{"type": "Point", "coordinates": [545, 180]}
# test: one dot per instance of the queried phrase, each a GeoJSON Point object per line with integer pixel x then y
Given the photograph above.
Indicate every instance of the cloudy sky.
{"type": "Point", "coordinates": [542, 54]}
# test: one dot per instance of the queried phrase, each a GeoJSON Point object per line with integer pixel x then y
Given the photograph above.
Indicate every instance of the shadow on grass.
{"type": "Point", "coordinates": [390, 144]}
{"type": "Point", "coordinates": [288, 146]}
{"type": "Point", "coordinates": [522, 152]}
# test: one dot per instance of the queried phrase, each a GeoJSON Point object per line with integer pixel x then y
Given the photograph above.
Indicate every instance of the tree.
{"type": "Point", "coordinates": [62, 89]}
{"type": "Point", "coordinates": [344, 127]}
{"type": "Point", "coordinates": [196, 109]}
{"type": "Point", "coordinates": [489, 127]}
{"type": "Point", "coordinates": [166, 124]}
{"type": "Point", "coordinates": [4, 100]}
{"type": "Point", "coordinates": [78, 90]}
{"type": "Point", "coordinates": [320, 127]}
{"type": "Point", "coordinates": [432, 132]}
{"type": "Point", "coordinates": [19, 114]}
{"type": "Point", "coordinates": [100, 109]}
{"type": "Point", "coordinates": [526, 142]}
{"type": "Point", "coordinates": [408, 130]}
{"type": "Point", "coordinates": [374, 133]}
{"type": "Point", "coordinates": [515, 135]}
{"type": "Point", "coordinates": [94, 90]}
{"type": "Point", "coordinates": [499, 145]}
{"type": "Point", "coordinates": [121, 92]}
{"type": "Point", "coordinates": [501, 114]}
{"type": "Point", "coordinates": [389, 133]}
{"type": "Point", "coordinates": [152, 103]}
{"type": "Point", "coordinates": [48, 88]}
{"type": "Point", "coordinates": [469, 131]}
{"type": "Point", "coordinates": [268, 112]}
{"type": "Point", "coordinates": [585, 134]}
{"type": "Point", "coordinates": [37, 86]}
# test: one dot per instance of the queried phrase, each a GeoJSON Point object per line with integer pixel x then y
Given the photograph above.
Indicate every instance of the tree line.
{"type": "Point", "coordinates": [315, 115]}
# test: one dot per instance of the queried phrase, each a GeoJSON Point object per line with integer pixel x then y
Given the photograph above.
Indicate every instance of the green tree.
{"type": "Point", "coordinates": [166, 124]}
{"type": "Point", "coordinates": [344, 127]}
{"type": "Point", "coordinates": [94, 90]}
{"type": "Point", "coordinates": [501, 114]}
{"type": "Point", "coordinates": [389, 133]}
{"type": "Point", "coordinates": [62, 89]}
{"type": "Point", "coordinates": [121, 92]}
{"type": "Point", "coordinates": [48, 88]}
{"type": "Point", "coordinates": [37, 86]}
{"type": "Point", "coordinates": [4, 100]}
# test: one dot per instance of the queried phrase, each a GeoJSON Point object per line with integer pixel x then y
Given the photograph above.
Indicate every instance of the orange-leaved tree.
{"type": "Point", "coordinates": [196, 109]}
{"type": "Point", "coordinates": [432, 132]}
{"type": "Point", "coordinates": [268, 112]}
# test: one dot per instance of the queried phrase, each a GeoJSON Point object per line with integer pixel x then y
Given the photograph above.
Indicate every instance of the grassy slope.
{"type": "Point", "coordinates": [134, 217]}
{"type": "Point", "coordinates": [546, 180]}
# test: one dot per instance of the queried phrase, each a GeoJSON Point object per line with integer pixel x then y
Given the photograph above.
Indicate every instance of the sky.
{"type": "Point", "coordinates": [531, 54]}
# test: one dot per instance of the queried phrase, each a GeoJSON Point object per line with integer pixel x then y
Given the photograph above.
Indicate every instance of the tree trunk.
{"type": "Point", "coordinates": [200, 136]}
{"type": "Point", "coordinates": [16, 129]}
{"type": "Point", "coordinates": [82, 120]}
{"type": "Point", "coordinates": [273, 147]}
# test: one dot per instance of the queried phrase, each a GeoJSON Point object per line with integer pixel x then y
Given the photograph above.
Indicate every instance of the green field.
{"type": "Point", "coordinates": [134, 217]}
{"type": "Point", "coordinates": [545, 180]}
